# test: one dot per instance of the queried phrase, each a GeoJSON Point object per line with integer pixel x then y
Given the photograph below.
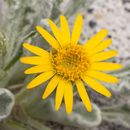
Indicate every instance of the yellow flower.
{"type": "Point", "coordinates": [70, 63]}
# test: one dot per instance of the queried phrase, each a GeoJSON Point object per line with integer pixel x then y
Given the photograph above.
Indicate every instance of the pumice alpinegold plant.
{"type": "Point", "coordinates": [70, 63]}
{"type": "Point", "coordinates": [18, 19]}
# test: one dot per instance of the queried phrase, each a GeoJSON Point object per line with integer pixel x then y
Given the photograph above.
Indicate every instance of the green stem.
{"type": "Point", "coordinates": [20, 95]}
{"type": "Point", "coordinates": [16, 86]}
{"type": "Point", "coordinates": [19, 53]}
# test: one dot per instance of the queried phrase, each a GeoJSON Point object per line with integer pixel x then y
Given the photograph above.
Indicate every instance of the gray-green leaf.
{"type": "Point", "coordinates": [119, 114]}
{"type": "Point", "coordinates": [44, 110]}
{"type": "Point", "coordinates": [6, 103]}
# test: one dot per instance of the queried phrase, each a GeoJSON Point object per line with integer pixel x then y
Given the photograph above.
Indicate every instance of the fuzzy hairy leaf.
{"type": "Point", "coordinates": [80, 118]}
{"type": "Point", "coordinates": [119, 114]}
{"type": "Point", "coordinates": [6, 103]}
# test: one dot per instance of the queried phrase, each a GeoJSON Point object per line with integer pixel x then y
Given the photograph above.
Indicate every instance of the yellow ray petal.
{"type": "Point", "coordinates": [103, 55]}
{"type": "Point", "coordinates": [57, 33]}
{"type": "Point", "coordinates": [34, 60]}
{"type": "Point", "coordinates": [106, 66]}
{"type": "Point", "coordinates": [59, 93]}
{"type": "Point", "coordinates": [40, 79]}
{"type": "Point", "coordinates": [65, 29]}
{"type": "Point", "coordinates": [36, 50]}
{"type": "Point", "coordinates": [96, 39]}
{"type": "Point", "coordinates": [96, 86]}
{"type": "Point", "coordinates": [51, 86]}
{"type": "Point", "coordinates": [102, 46]}
{"type": "Point", "coordinates": [48, 37]}
{"type": "Point", "coordinates": [38, 69]}
{"type": "Point", "coordinates": [77, 30]}
{"type": "Point", "coordinates": [83, 95]}
{"type": "Point", "coordinates": [102, 76]}
{"type": "Point", "coordinates": [68, 96]}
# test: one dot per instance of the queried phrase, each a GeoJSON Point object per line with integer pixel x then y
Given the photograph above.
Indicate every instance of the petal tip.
{"type": "Point", "coordinates": [56, 108]}
{"type": "Point", "coordinates": [21, 60]}
{"type": "Point", "coordinates": [89, 109]}
{"type": "Point", "coordinates": [26, 72]}
{"type": "Point", "coordinates": [110, 40]}
{"type": "Point", "coordinates": [48, 20]}
{"type": "Point", "coordinates": [80, 15]}
{"type": "Point", "coordinates": [62, 16]}
{"type": "Point", "coordinates": [117, 80]}
{"type": "Point", "coordinates": [29, 87]}
{"type": "Point", "coordinates": [44, 96]}
{"type": "Point", "coordinates": [69, 112]}
{"type": "Point", "coordinates": [38, 28]}
{"type": "Point", "coordinates": [121, 66]}
{"type": "Point", "coordinates": [116, 52]}
{"type": "Point", "coordinates": [105, 30]}
{"type": "Point", "coordinates": [109, 95]}
{"type": "Point", "coordinates": [26, 44]}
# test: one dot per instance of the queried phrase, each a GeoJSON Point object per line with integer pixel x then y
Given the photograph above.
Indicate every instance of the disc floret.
{"type": "Point", "coordinates": [70, 62]}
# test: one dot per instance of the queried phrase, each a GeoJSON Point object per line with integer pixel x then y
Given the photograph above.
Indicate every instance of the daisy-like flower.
{"type": "Point", "coordinates": [69, 63]}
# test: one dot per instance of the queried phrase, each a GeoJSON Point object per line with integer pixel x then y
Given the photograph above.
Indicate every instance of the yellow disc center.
{"type": "Point", "coordinates": [70, 62]}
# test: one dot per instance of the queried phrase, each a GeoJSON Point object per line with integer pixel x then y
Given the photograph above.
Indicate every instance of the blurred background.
{"type": "Point", "coordinates": [22, 109]}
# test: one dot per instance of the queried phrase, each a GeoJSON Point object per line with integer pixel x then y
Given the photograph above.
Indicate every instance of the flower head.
{"type": "Point", "coordinates": [69, 63]}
